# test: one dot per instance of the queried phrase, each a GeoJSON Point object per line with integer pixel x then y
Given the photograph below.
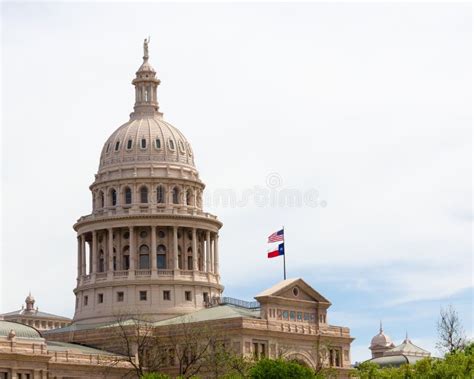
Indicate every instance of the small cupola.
{"type": "Point", "coordinates": [146, 83]}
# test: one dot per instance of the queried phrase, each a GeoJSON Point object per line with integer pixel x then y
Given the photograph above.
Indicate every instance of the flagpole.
{"type": "Point", "coordinates": [284, 255]}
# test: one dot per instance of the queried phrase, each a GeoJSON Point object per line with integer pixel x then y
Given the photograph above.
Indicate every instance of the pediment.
{"type": "Point", "coordinates": [292, 290]}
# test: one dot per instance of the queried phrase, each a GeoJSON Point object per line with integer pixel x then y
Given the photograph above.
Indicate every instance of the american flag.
{"type": "Point", "coordinates": [276, 237]}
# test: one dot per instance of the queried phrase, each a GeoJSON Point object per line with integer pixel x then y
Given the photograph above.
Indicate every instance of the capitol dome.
{"type": "Point", "coordinates": [147, 248]}
{"type": "Point", "coordinates": [146, 140]}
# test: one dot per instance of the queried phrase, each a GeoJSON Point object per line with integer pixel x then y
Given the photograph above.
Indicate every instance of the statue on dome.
{"type": "Point", "coordinates": [145, 47]}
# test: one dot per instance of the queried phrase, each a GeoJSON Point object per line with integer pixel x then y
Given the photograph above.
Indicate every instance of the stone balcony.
{"type": "Point", "coordinates": [149, 274]}
{"type": "Point", "coordinates": [146, 209]}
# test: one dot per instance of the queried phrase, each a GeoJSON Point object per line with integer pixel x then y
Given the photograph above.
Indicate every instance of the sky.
{"type": "Point", "coordinates": [361, 112]}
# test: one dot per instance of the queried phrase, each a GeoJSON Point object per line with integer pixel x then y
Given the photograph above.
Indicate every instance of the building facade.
{"type": "Point", "coordinates": [149, 251]}
{"type": "Point", "coordinates": [385, 353]}
{"type": "Point", "coordinates": [32, 316]}
{"type": "Point", "coordinates": [147, 246]}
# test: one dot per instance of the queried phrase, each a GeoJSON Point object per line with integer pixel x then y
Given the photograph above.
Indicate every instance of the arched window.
{"type": "Point", "coordinates": [117, 145]}
{"type": "Point", "coordinates": [114, 261]}
{"type": "Point", "coordinates": [189, 197]}
{"type": "Point", "coordinates": [158, 143]}
{"type": "Point", "coordinates": [129, 144]}
{"type": "Point", "coordinates": [190, 258]}
{"type": "Point", "coordinates": [160, 195]}
{"type": "Point", "coordinates": [175, 195]}
{"type": "Point", "coordinates": [181, 146]}
{"type": "Point", "coordinates": [113, 197]}
{"type": "Point", "coordinates": [171, 144]}
{"type": "Point", "coordinates": [144, 194]}
{"type": "Point", "coordinates": [125, 258]}
{"type": "Point", "coordinates": [143, 143]}
{"type": "Point", "coordinates": [128, 195]}
{"type": "Point", "coordinates": [161, 256]}
{"type": "Point", "coordinates": [101, 261]}
{"type": "Point", "coordinates": [144, 259]}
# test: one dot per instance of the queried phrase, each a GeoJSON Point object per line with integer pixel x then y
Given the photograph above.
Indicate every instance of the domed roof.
{"type": "Point", "coordinates": [10, 329]}
{"type": "Point", "coordinates": [29, 299]}
{"type": "Point", "coordinates": [381, 340]}
{"type": "Point", "coordinates": [146, 140]}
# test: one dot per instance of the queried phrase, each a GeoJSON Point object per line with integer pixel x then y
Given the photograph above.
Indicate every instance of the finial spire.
{"type": "Point", "coordinates": [381, 329]}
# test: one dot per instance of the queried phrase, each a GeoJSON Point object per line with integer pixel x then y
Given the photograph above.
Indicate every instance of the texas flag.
{"type": "Point", "coordinates": [277, 252]}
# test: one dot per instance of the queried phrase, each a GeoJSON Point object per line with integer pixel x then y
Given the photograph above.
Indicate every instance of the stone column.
{"type": "Point", "coordinates": [208, 251]}
{"type": "Point", "coordinates": [195, 251]}
{"type": "Point", "coordinates": [79, 257]}
{"type": "Point", "coordinates": [94, 251]}
{"type": "Point", "coordinates": [111, 249]}
{"type": "Point", "coordinates": [132, 248]}
{"type": "Point", "coordinates": [216, 254]}
{"type": "Point", "coordinates": [153, 248]}
{"type": "Point", "coordinates": [203, 252]}
{"type": "Point", "coordinates": [213, 247]}
{"type": "Point", "coordinates": [83, 255]}
{"type": "Point", "coordinates": [175, 247]}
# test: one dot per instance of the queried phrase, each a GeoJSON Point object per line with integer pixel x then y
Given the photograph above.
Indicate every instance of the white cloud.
{"type": "Point", "coordinates": [339, 98]}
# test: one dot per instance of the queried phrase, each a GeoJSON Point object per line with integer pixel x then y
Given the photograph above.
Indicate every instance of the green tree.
{"type": "Point", "coordinates": [279, 369]}
{"type": "Point", "coordinates": [155, 375]}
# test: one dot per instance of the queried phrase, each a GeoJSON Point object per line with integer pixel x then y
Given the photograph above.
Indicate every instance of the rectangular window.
{"type": "Point", "coordinates": [190, 262]}
{"type": "Point", "coordinates": [166, 295]}
{"type": "Point", "coordinates": [292, 315]}
{"type": "Point", "coordinates": [205, 297]}
{"type": "Point", "coordinates": [263, 352]}
{"type": "Point", "coordinates": [161, 261]}
{"type": "Point", "coordinates": [255, 350]}
{"type": "Point", "coordinates": [100, 298]}
{"type": "Point", "coordinates": [120, 296]}
{"type": "Point", "coordinates": [188, 295]}
{"type": "Point", "coordinates": [126, 262]}
{"type": "Point", "coordinates": [86, 300]}
{"type": "Point", "coordinates": [144, 261]}
{"type": "Point", "coordinates": [142, 295]}
{"type": "Point", "coordinates": [143, 143]}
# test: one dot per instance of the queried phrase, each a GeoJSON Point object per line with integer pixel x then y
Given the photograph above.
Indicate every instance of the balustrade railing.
{"type": "Point", "coordinates": [163, 272]}
{"type": "Point", "coordinates": [151, 208]}
{"type": "Point", "coordinates": [120, 274]}
{"type": "Point", "coordinates": [142, 272]}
